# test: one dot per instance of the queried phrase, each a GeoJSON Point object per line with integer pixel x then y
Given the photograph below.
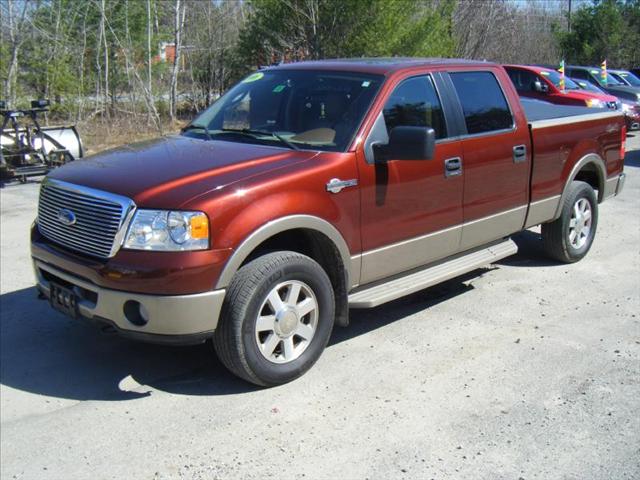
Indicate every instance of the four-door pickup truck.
{"type": "Point", "coordinates": [312, 188]}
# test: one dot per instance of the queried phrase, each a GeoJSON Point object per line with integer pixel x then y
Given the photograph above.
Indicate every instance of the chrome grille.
{"type": "Point", "coordinates": [82, 219]}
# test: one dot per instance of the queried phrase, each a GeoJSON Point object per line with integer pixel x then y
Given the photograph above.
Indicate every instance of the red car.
{"type": "Point", "coordinates": [544, 84]}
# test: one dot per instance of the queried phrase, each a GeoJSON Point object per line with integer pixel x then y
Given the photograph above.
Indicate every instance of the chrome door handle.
{"type": "Point", "coordinates": [519, 153]}
{"type": "Point", "coordinates": [453, 167]}
{"type": "Point", "coordinates": [335, 185]}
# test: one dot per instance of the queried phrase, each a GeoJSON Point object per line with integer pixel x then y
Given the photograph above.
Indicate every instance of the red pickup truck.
{"type": "Point", "coordinates": [312, 188]}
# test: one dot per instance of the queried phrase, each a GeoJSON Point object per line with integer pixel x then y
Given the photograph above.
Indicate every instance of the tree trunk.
{"type": "Point", "coordinates": [179, 23]}
{"type": "Point", "coordinates": [149, 88]}
{"type": "Point", "coordinates": [103, 20]}
{"type": "Point", "coordinates": [15, 40]}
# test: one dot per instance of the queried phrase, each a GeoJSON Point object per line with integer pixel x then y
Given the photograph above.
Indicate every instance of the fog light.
{"type": "Point", "coordinates": [136, 313]}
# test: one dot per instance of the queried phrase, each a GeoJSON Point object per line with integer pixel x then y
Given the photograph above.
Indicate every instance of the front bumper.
{"type": "Point", "coordinates": [174, 319]}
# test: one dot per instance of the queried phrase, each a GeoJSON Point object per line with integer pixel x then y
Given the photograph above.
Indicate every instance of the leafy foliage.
{"type": "Point", "coordinates": [605, 29]}
{"type": "Point", "coordinates": [97, 58]}
{"type": "Point", "coordinates": [285, 30]}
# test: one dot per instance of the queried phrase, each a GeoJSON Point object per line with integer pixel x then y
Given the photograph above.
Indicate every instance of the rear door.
{"type": "Point", "coordinates": [496, 158]}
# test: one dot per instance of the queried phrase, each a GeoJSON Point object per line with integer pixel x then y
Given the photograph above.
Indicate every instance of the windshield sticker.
{"type": "Point", "coordinates": [365, 84]}
{"type": "Point", "coordinates": [546, 74]}
{"type": "Point", "coordinates": [279, 88]}
{"type": "Point", "coordinates": [253, 77]}
{"type": "Point", "coordinates": [595, 72]}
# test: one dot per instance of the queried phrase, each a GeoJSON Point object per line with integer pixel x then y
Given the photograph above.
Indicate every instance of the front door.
{"type": "Point", "coordinates": [411, 209]}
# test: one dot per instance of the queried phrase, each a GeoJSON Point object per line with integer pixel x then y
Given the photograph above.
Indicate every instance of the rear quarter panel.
{"type": "Point", "coordinates": [557, 148]}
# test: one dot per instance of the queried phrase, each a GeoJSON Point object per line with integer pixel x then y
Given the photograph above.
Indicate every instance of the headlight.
{"type": "Point", "coordinates": [627, 107]}
{"type": "Point", "coordinates": [594, 103]}
{"type": "Point", "coordinates": [168, 231]}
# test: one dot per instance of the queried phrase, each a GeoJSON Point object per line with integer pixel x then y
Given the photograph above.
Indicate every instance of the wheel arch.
{"type": "Point", "coordinates": [311, 236]}
{"type": "Point", "coordinates": [590, 169]}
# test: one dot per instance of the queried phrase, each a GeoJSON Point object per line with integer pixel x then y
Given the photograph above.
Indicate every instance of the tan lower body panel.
{"type": "Point", "coordinates": [383, 292]}
{"type": "Point", "coordinates": [542, 211]}
{"type": "Point", "coordinates": [610, 187]}
{"type": "Point", "coordinates": [403, 256]}
{"type": "Point", "coordinates": [487, 229]}
{"type": "Point", "coordinates": [409, 254]}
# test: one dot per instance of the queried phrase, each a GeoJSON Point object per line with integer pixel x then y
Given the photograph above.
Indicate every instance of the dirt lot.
{"type": "Point", "coordinates": [526, 369]}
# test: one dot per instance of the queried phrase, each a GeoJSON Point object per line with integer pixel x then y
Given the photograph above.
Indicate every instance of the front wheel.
{"type": "Point", "coordinates": [276, 320]}
{"type": "Point", "coordinates": [569, 238]}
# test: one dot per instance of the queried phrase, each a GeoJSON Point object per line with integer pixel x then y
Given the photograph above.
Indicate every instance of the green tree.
{"type": "Point", "coordinates": [606, 29]}
{"type": "Point", "coordinates": [287, 30]}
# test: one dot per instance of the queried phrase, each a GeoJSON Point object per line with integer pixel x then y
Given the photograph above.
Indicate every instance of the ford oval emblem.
{"type": "Point", "coordinates": [66, 217]}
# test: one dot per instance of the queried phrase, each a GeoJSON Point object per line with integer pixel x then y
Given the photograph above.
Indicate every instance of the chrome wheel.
{"type": "Point", "coordinates": [580, 223]}
{"type": "Point", "coordinates": [287, 321]}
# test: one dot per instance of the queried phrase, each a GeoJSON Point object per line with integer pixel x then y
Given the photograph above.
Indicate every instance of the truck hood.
{"type": "Point", "coordinates": [168, 171]}
{"type": "Point", "coordinates": [584, 95]}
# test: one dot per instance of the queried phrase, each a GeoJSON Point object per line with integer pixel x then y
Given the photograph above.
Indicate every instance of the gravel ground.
{"type": "Point", "coordinates": [525, 369]}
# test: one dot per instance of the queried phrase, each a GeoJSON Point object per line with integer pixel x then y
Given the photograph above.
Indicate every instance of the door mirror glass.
{"type": "Point", "coordinates": [407, 143]}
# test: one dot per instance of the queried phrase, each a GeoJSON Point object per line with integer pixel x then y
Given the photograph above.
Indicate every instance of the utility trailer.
{"type": "Point", "coordinates": [29, 149]}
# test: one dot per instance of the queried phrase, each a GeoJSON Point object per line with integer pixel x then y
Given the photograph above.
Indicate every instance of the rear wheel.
{"type": "Point", "coordinates": [276, 320]}
{"type": "Point", "coordinates": [569, 238]}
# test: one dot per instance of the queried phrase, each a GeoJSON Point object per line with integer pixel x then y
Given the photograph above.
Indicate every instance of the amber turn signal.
{"type": "Point", "coordinates": [199, 226]}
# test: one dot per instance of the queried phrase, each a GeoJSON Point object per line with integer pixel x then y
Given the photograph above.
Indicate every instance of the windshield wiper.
{"type": "Point", "coordinates": [248, 131]}
{"type": "Point", "coordinates": [193, 126]}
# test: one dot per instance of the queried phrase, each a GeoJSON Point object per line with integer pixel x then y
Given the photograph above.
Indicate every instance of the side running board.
{"type": "Point", "coordinates": [399, 287]}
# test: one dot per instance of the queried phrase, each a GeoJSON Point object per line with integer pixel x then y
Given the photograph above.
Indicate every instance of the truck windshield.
{"type": "Point", "coordinates": [319, 110]}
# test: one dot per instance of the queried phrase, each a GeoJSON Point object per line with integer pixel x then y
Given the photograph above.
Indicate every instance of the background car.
{"type": "Point", "coordinates": [611, 85]}
{"type": "Point", "coordinates": [544, 84]}
{"type": "Point", "coordinates": [625, 77]}
{"type": "Point", "coordinates": [631, 109]}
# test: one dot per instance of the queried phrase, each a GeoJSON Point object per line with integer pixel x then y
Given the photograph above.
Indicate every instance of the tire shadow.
{"type": "Point", "coordinates": [632, 158]}
{"type": "Point", "coordinates": [43, 352]}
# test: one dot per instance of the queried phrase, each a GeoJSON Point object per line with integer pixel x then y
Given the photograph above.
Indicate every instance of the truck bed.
{"type": "Point", "coordinates": [560, 137]}
{"type": "Point", "coordinates": [537, 110]}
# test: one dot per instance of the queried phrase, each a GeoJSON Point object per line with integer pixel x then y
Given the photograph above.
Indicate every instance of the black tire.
{"type": "Point", "coordinates": [556, 235]}
{"type": "Point", "coordinates": [235, 337]}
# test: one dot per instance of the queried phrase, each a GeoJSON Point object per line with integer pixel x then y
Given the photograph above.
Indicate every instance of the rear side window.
{"type": "Point", "coordinates": [523, 80]}
{"type": "Point", "coordinates": [483, 103]}
{"type": "Point", "coordinates": [415, 103]}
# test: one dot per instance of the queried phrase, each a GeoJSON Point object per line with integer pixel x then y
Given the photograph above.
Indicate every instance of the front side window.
{"type": "Point", "coordinates": [415, 103]}
{"type": "Point", "coordinates": [483, 103]}
{"type": "Point", "coordinates": [319, 110]}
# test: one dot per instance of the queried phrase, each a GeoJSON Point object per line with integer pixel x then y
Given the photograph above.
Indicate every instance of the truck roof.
{"type": "Point", "coordinates": [379, 65]}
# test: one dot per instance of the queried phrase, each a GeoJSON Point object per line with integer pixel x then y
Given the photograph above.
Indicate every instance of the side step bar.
{"type": "Point", "coordinates": [413, 282]}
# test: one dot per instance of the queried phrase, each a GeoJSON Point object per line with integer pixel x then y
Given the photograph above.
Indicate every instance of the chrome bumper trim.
{"type": "Point", "coordinates": [167, 314]}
